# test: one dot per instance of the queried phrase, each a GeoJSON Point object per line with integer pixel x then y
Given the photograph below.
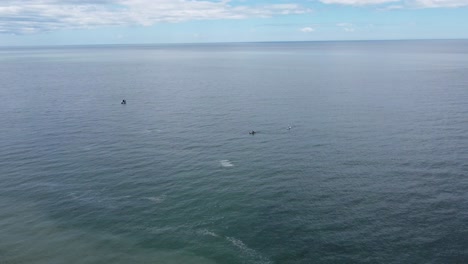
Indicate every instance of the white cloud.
{"type": "Point", "coordinates": [23, 16]}
{"type": "Point", "coordinates": [307, 29]}
{"type": "Point", "coordinates": [358, 2]}
{"type": "Point", "coordinates": [348, 27]}
{"type": "Point", "coordinates": [402, 3]}
{"type": "Point", "coordinates": [440, 3]}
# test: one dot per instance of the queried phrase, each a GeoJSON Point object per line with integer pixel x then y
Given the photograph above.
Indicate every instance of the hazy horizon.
{"type": "Point", "coordinates": [227, 43]}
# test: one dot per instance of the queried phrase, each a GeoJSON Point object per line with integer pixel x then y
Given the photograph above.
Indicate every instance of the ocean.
{"type": "Point", "coordinates": [360, 155]}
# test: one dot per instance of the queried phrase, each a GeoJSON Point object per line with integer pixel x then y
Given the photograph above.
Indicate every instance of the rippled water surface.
{"type": "Point", "coordinates": [373, 170]}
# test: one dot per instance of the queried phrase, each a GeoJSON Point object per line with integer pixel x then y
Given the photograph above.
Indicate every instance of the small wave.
{"type": "Point", "coordinates": [226, 163]}
{"type": "Point", "coordinates": [92, 198]}
{"type": "Point", "coordinates": [206, 232]}
{"type": "Point", "coordinates": [249, 253]}
{"type": "Point", "coordinates": [148, 131]}
{"type": "Point", "coordinates": [86, 147]}
{"type": "Point", "coordinates": [156, 199]}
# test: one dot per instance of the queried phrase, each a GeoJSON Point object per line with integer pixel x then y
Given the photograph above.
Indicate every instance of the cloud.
{"type": "Point", "coordinates": [403, 3]}
{"type": "Point", "coordinates": [27, 16]}
{"type": "Point", "coordinates": [440, 3]}
{"type": "Point", "coordinates": [307, 29]}
{"type": "Point", "coordinates": [358, 2]}
{"type": "Point", "coordinates": [348, 27]}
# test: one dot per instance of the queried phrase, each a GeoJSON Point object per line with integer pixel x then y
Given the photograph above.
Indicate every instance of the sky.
{"type": "Point", "coordinates": [78, 22]}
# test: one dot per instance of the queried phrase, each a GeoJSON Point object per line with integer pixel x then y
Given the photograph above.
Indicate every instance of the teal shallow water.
{"type": "Point", "coordinates": [373, 170]}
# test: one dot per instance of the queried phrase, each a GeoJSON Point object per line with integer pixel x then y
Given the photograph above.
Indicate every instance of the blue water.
{"type": "Point", "coordinates": [373, 170]}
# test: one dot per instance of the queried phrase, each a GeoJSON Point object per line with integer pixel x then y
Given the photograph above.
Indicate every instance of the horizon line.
{"type": "Point", "coordinates": [229, 42]}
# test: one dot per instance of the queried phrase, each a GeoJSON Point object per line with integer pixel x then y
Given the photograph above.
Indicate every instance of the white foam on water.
{"type": "Point", "coordinates": [148, 131]}
{"type": "Point", "coordinates": [86, 147]}
{"type": "Point", "coordinates": [206, 232]}
{"type": "Point", "coordinates": [226, 163]}
{"type": "Point", "coordinates": [156, 199]}
{"type": "Point", "coordinates": [252, 255]}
